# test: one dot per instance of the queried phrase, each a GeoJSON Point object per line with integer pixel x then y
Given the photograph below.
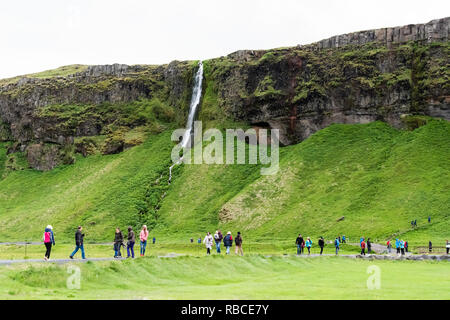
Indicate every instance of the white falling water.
{"type": "Point", "coordinates": [195, 101]}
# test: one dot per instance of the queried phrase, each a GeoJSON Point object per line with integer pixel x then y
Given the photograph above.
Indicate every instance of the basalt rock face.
{"type": "Point", "coordinates": [387, 74]}
{"type": "Point", "coordinates": [355, 78]}
{"type": "Point", "coordinates": [28, 119]}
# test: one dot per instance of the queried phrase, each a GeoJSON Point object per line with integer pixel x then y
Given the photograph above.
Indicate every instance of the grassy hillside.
{"type": "Point", "coordinates": [379, 178]}
{"type": "Point", "coordinates": [375, 176]}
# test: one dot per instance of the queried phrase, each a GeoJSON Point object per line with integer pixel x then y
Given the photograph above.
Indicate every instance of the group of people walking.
{"type": "Point", "coordinates": [218, 237]}
{"type": "Point", "coordinates": [209, 240]}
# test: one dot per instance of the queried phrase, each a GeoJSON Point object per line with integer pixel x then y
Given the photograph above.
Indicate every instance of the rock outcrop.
{"type": "Point", "coordinates": [386, 74]}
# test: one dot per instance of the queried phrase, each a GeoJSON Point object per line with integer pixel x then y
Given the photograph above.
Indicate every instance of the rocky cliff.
{"type": "Point", "coordinates": [386, 74]}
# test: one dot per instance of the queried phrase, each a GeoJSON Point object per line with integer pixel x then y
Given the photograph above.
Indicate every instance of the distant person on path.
{"type": "Point", "coordinates": [343, 239]}
{"type": "Point", "coordinates": [303, 245]}
{"type": "Point", "coordinates": [49, 241]}
{"type": "Point", "coordinates": [406, 246]}
{"type": "Point", "coordinates": [218, 239]}
{"type": "Point", "coordinates": [79, 240]}
{"type": "Point", "coordinates": [143, 236]}
{"type": "Point", "coordinates": [447, 246]}
{"type": "Point", "coordinates": [228, 241]}
{"type": "Point", "coordinates": [308, 245]}
{"type": "Point", "coordinates": [238, 241]}
{"type": "Point", "coordinates": [369, 246]}
{"type": "Point", "coordinates": [363, 248]}
{"type": "Point", "coordinates": [199, 240]}
{"type": "Point", "coordinates": [397, 246]}
{"type": "Point", "coordinates": [429, 219]}
{"type": "Point", "coordinates": [336, 244]}
{"type": "Point", "coordinates": [299, 243]}
{"type": "Point", "coordinates": [154, 240]}
{"type": "Point", "coordinates": [389, 246]}
{"type": "Point", "coordinates": [321, 244]}
{"type": "Point", "coordinates": [430, 247]}
{"type": "Point", "coordinates": [402, 247]}
{"type": "Point", "coordinates": [208, 241]}
{"type": "Point", "coordinates": [130, 244]}
{"type": "Point", "coordinates": [415, 223]}
{"type": "Point", "coordinates": [118, 242]}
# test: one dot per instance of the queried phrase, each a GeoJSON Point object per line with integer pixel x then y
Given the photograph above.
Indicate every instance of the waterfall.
{"type": "Point", "coordinates": [195, 102]}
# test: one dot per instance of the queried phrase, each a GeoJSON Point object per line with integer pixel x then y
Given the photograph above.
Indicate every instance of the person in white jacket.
{"type": "Point", "coordinates": [208, 241]}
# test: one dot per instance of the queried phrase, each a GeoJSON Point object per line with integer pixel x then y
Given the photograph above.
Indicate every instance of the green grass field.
{"type": "Point", "coordinates": [378, 177]}
{"type": "Point", "coordinates": [219, 277]}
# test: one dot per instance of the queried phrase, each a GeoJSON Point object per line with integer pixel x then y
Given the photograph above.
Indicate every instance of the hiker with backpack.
{"type": "Point", "coordinates": [343, 239]}
{"type": "Point", "coordinates": [208, 242]}
{"type": "Point", "coordinates": [228, 241]}
{"type": "Point", "coordinates": [389, 246]}
{"type": "Point", "coordinates": [406, 246]}
{"type": "Point", "coordinates": [118, 242]}
{"type": "Point", "coordinates": [299, 243]}
{"type": "Point", "coordinates": [430, 247]}
{"type": "Point", "coordinates": [238, 241]}
{"type": "Point", "coordinates": [218, 239]}
{"type": "Point", "coordinates": [336, 245]}
{"type": "Point", "coordinates": [49, 241]}
{"type": "Point", "coordinates": [130, 244]}
{"type": "Point", "coordinates": [321, 244]}
{"type": "Point", "coordinates": [79, 240]}
{"type": "Point", "coordinates": [308, 245]}
{"type": "Point", "coordinates": [143, 236]}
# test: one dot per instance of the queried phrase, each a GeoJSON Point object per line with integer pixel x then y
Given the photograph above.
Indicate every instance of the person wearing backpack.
{"type": "Point", "coordinates": [406, 246]}
{"type": "Point", "coordinates": [131, 241]}
{"type": "Point", "coordinates": [299, 243]}
{"type": "Point", "coordinates": [238, 241]}
{"type": "Point", "coordinates": [388, 244]}
{"type": "Point", "coordinates": [143, 236]}
{"type": "Point", "coordinates": [336, 244]}
{"type": "Point", "coordinates": [363, 248]}
{"type": "Point", "coordinates": [49, 240]}
{"type": "Point", "coordinates": [308, 245]}
{"type": "Point", "coordinates": [228, 241]}
{"type": "Point", "coordinates": [321, 244]}
{"type": "Point", "coordinates": [118, 242]}
{"type": "Point", "coordinates": [79, 240]}
{"type": "Point", "coordinates": [208, 242]}
{"type": "Point", "coordinates": [218, 239]}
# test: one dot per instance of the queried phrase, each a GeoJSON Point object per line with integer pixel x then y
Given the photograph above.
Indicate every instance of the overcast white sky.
{"type": "Point", "coordinates": [45, 34]}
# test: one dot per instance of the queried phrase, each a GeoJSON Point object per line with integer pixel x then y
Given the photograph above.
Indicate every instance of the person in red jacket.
{"type": "Point", "coordinates": [363, 248]}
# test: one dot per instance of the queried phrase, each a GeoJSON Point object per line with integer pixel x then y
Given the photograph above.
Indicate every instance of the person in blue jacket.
{"type": "Point", "coordinates": [308, 245]}
{"type": "Point", "coordinates": [336, 244]}
{"type": "Point", "coordinates": [397, 245]}
{"type": "Point", "coordinates": [228, 242]}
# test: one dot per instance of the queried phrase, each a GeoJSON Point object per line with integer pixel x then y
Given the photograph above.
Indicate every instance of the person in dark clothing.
{"type": "Point", "coordinates": [79, 239]}
{"type": "Point", "coordinates": [118, 242]}
{"type": "Point", "coordinates": [228, 241]}
{"type": "Point", "coordinates": [406, 246]}
{"type": "Point", "coordinates": [238, 241]}
{"type": "Point", "coordinates": [430, 247]}
{"type": "Point", "coordinates": [321, 244]}
{"type": "Point", "coordinates": [299, 243]}
{"type": "Point", "coordinates": [369, 246]}
{"type": "Point", "coordinates": [49, 240]}
{"type": "Point", "coordinates": [429, 219]}
{"type": "Point", "coordinates": [447, 246]}
{"type": "Point", "coordinates": [131, 241]}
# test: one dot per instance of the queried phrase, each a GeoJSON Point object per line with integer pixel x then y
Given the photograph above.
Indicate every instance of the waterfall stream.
{"type": "Point", "coordinates": [195, 102]}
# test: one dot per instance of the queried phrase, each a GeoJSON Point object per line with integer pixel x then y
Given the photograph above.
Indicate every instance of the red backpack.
{"type": "Point", "coordinates": [47, 237]}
